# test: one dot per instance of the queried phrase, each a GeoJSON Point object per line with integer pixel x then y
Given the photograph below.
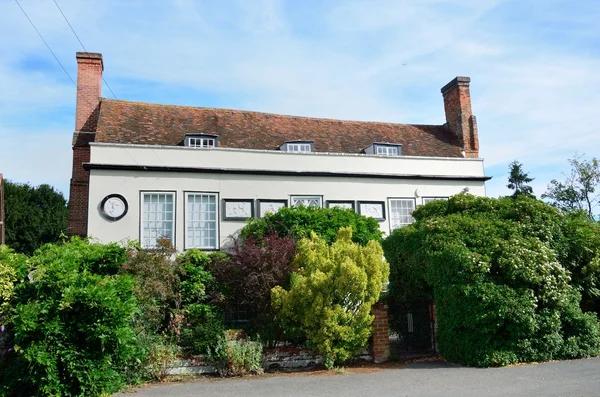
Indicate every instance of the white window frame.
{"type": "Point", "coordinates": [299, 147]}
{"type": "Point", "coordinates": [387, 150]}
{"type": "Point", "coordinates": [295, 199]}
{"type": "Point", "coordinates": [202, 219]}
{"type": "Point", "coordinates": [203, 142]}
{"type": "Point", "coordinates": [146, 242]}
{"type": "Point", "coordinates": [396, 221]}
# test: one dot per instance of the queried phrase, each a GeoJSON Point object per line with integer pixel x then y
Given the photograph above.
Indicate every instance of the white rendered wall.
{"type": "Point", "coordinates": [179, 156]}
{"type": "Point", "coordinates": [230, 186]}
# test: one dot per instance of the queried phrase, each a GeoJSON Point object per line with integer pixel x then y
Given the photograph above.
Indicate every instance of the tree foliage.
{"type": "Point", "coordinates": [579, 189]}
{"type": "Point", "coordinates": [300, 222]}
{"type": "Point", "coordinates": [500, 271]}
{"type": "Point", "coordinates": [518, 180]}
{"type": "Point", "coordinates": [34, 216]}
{"type": "Point", "coordinates": [331, 294]}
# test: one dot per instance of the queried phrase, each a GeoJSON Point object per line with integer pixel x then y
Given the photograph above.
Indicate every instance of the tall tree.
{"type": "Point", "coordinates": [33, 215]}
{"type": "Point", "coordinates": [518, 180]}
{"type": "Point", "coordinates": [579, 190]}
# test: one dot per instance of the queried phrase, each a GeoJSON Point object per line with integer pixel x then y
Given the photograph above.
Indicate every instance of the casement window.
{"type": "Point", "coordinates": [430, 199]}
{"type": "Point", "coordinates": [387, 150]}
{"type": "Point", "coordinates": [201, 141]}
{"type": "Point", "coordinates": [201, 221]}
{"type": "Point", "coordinates": [384, 149]}
{"type": "Point", "coordinates": [307, 201]}
{"type": "Point", "coordinates": [400, 212]}
{"type": "Point", "coordinates": [297, 147]}
{"type": "Point", "coordinates": [158, 218]}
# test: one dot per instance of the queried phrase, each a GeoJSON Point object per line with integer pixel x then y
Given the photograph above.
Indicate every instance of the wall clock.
{"type": "Point", "coordinates": [114, 207]}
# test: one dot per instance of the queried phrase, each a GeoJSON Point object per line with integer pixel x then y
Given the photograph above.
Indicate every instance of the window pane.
{"type": "Point", "coordinates": [401, 212]}
{"type": "Point", "coordinates": [201, 221]}
{"type": "Point", "coordinates": [299, 147]}
{"type": "Point", "coordinates": [157, 218]}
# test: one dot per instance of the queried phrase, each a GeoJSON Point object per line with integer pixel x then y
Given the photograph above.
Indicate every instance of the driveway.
{"type": "Point", "coordinates": [565, 378]}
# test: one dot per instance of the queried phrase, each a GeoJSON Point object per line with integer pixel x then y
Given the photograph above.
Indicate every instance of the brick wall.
{"type": "Point", "coordinates": [89, 89]}
{"type": "Point", "coordinates": [459, 115]}
{"type": "Point", "coordinates": [381, 337]}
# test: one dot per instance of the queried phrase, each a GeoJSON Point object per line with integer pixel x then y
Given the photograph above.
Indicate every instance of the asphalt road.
{"type": "Point", "coordinates": [565, 378]}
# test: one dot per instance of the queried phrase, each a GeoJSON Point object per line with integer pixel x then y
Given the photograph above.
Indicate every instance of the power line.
{"type": "Point", "coordinates": [77, 37]}
{"type": "Point", "coordinates": [50, 49]}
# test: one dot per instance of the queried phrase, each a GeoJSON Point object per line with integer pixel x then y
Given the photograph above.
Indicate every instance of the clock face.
{"type": "Point", "coordinates": [114, 207]}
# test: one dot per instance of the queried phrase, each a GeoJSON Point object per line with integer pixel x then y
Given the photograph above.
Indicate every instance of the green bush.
{"type": "Point", "coordinates": [156, 287]}
{"type": "Point", "coordinates": [331, 295]}
{"type": "Point", "coordinates": [236, 357]}
{"type": "Point", "coordinates": [299, 222]}
{"type": "Point", "coordinates": [202, 325]}
{"type": "Point", "coordinates": [72, 327]}
{"type": "Point", "coordinates": [13, 268]}
{"type": "Point", "coordinates": [494, 268]}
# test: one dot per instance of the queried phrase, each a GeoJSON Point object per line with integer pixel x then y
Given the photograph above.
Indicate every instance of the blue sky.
{"type": "Point", "coordinates": [534, 65]}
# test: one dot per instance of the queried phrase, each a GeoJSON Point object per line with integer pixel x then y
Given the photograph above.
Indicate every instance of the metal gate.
{"type": "Point", "coordinates": [412, 327]}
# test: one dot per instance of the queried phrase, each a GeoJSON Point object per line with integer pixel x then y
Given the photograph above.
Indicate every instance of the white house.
{"type": "Point", "coordinates": [195, 175]}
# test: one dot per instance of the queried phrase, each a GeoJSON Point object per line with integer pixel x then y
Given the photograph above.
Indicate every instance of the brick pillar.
{"type": "Point", "coordinates": [381, 337]}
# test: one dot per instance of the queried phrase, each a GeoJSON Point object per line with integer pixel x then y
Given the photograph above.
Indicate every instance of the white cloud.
{"type": "Point", "coordinates": [535, 99]}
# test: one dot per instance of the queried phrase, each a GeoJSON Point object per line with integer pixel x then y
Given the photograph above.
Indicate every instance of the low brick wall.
{"type": "Point", "coordinates": [273, 360]}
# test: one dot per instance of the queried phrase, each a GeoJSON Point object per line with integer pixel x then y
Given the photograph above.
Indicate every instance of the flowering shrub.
{"type": "Point", "coordinates": [497, 270]}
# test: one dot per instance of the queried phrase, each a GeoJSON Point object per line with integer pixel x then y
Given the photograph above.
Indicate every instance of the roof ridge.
{"type": "Point", "coordinates": [268, 113]}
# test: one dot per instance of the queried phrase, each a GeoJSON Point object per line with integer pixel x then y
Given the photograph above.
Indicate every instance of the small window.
{"type": "Point", "coordinates": [307, 201]}
{"type": "Point", "coordinates": [384, 149]}
{"type": "Point", "coordinates": [201, 223]}
{"type": "Point", "coordinates": [201, 141]}
{"type": "Point", "coordinates": [401, 212]}
{"type": "Point", "coordinates": [387, 150]}
{"type": "Point", "coordinates": [158, 218]}
{"type": "Point", "coordinates": [297, 147]}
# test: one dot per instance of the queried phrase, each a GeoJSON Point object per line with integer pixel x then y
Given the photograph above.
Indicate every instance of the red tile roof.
{"type": "Point", "coordinates": [145, 123]}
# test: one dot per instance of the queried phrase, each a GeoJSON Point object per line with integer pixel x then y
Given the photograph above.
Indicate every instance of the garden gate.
{"type": "Point", "coordinates": [412, 327]}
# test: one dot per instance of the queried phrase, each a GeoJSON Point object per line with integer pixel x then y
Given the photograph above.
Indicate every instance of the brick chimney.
{"type": "Point", "coordinates": [459, 117]}
{"type": "Point", "coordinates": [89, 89]}
{"type": "Point", "coordinates": [87, 109]}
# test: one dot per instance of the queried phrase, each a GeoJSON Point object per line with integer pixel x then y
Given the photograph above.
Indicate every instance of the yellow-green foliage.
{"type": "Point", "coordinates": [331, 294]}
{"type": "Point", "coordinates": [11, 264]}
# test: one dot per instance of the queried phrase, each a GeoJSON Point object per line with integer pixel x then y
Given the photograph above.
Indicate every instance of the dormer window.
{"type": "Point", "coordinates": [297, 147]}
{"type": "Point", "coordinates": [201, 141]}
{"type": "Point", "coordinates": [384, 149]}
{"type": "Point", "coordinates": [387, 150]}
